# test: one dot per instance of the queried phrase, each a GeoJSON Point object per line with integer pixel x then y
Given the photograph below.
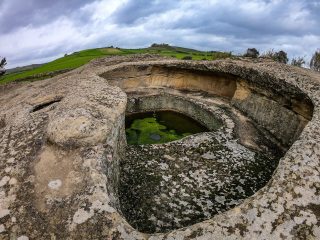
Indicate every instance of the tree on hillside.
{"type": "Point", "coordinates": [3, 62]}
{"type": "Point", "coordinates": [281, 56]}
{"type": "Point", "coordinates": [159, 45]}
{"type": "Point", "coordinates": [187, 58]}
{"type": "Point", "coordinates": [299, 61]}
{"type": "Point", "coordinates": [252, 52]}
{"type": "Point", "coordinates": [315, 61]}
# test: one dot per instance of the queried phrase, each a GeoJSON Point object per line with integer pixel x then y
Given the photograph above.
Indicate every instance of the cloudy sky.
{"type": "Point", "coordinates": [35, 31]}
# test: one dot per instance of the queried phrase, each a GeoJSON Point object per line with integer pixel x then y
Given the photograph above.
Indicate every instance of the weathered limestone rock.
{"type": "Point", "coordinates": [61, 141]}
{"type": "Point", "coordinates": [169, 186]}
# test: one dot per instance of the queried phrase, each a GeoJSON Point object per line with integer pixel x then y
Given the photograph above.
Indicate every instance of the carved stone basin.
{"type": "Point", "coordinates": [67, 171]}
{"type": "Point", "coordinates": [178, 184]}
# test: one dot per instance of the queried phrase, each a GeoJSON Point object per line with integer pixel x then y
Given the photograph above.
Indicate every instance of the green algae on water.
{"type": "Point", "coordinates": [160, 127]}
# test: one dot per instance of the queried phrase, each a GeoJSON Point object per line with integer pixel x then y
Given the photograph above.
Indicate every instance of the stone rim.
{"type": "Point", "coordinates": [300, 161]}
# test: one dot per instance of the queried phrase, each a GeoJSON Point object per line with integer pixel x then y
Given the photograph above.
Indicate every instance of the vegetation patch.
{"type": "Point", "coordinates": [77, 59]}
{"type": "Point", "coordinates": [159, 127]}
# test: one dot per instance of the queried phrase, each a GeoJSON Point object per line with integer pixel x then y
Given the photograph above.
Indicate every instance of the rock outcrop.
{"type": "Point", "coordinates": [62, 140]}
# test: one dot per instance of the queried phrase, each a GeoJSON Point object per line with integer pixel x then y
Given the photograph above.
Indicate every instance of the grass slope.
{"type": "Point", "coordinates": [80, 58]}
{"type": "Point", "coordinates": [24, 68]}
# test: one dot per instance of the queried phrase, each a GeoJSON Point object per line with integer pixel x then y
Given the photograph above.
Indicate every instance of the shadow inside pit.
{"type": "Point", "coordinates": [45, 105]}
{"type": "Point", "coordinates": [179, 183]}
{"type": "Point", "coordinates": [168, 186]}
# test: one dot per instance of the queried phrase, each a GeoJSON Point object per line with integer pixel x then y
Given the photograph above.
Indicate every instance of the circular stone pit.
{"type": "Point", "coordinates": [177, 184]}
{"type": "Point", "coordinates": [80, 141]}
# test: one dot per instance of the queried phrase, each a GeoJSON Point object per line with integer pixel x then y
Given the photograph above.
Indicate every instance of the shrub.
{"type": "Point", "coordinates": [187, 58]}
{"type": "Point", "coordinates": [160, 45]}
{"type": "Point", "coordinates": [268, 54]}
{"type": "Point", "coordinates": [315, 61]}
{"type": "Point", "coordinates": [299, 61]}
{"type": "Point", "coordinates": [221, 55]}
{"type": "Point", "coordinates": [3, 62]}
{"type": "Point", "coordinates": [252, 52]}
{"type": "Point", "coordinates": [280, 56]}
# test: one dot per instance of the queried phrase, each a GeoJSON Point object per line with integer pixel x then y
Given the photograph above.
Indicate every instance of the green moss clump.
{"type": "Point", "coordinates": [150, 131]}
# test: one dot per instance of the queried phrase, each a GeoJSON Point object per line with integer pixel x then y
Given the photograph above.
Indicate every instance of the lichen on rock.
{"type": "Point", "coordinates": [60, 165]}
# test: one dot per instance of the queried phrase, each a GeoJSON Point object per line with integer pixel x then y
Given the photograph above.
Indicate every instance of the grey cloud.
{"type": "Point", "coordinates": [208, 25]}
{"type": "Point", "coordinates": [135, 10]}
{"type": "Point", "coordinates": [226, 19]}
{"type": "Point", "coordinates": [17, 13]}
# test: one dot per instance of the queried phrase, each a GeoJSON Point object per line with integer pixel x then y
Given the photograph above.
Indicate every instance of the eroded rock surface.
{"type": "Point", "coordinates": [174, 185]}
{"type": "Point", "coordinates": [164, 187]}
{"type": "Point", "coordinates": [62, 140]}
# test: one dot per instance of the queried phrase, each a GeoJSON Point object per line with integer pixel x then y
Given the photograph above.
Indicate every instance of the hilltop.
{"type": "Point", "coordinates": [79, 58]}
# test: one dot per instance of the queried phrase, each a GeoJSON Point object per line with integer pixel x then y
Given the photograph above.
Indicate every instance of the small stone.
{"type": "Point", "coordinates": [81, 216]}
{"type": "Point", "coordinates": [220, 199]}
{"type": "Point", "coordinates": [164, 166]}
{"type": "Point", "coordinates": [4, 212]}
{"type": "Point", "coordinates": [166, 178]}
{"type": "Point", "coordinates": [55, 184]}
{"type": "Point", "coordinates": [4, 181]}
{"type": "Point", "coordinates": [13, 181]}
{"type": "Point", "coordinates": [155, 137]}
{"type": "Point", "coordinates": [2, 228]}
{"type": "Point", "coordinates": [10, 160]}
{"type": "Point", "coordinates": [169, 157]}
{"type": "Point", "coordinates": [208, 155]}
{"type": "Point", "coordinates": [23, 238]}
{"type": "Point", "coordinates": [299, 220]}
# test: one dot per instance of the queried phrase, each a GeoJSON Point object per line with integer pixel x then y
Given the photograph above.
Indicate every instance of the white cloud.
{"type": "Point", "coordinates": [102, 10]}
{"type": "Point", "coordinates": [29, 42]}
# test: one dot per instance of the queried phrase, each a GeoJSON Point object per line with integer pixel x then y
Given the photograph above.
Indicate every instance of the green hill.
{"type": "Point", "coordinates": [22, 69]}
{"type": "Point", "coordinates": [77, 59]}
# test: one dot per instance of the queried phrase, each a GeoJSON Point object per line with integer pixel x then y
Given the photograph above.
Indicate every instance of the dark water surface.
{"type": "Point", "coordinates": [160, 127]}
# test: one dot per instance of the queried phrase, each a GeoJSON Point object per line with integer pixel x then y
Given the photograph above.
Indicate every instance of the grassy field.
{"type": "Point", "coordinates": [80, 58]}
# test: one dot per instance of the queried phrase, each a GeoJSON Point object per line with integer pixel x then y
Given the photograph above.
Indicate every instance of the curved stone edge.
{"type": "Point", "coordinates": [293, 190]}
{"type": "Point", "coordinates": [269, 213]}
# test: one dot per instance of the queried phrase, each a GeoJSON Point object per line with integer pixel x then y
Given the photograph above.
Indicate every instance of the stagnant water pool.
{"type": "Point", "coordinates": [179, 183]}
{"type": "Point", "coordinates": [160, 127]}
